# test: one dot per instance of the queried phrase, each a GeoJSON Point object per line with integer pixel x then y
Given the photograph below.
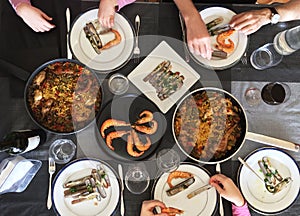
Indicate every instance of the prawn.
{"type": "Point", "coordinates": [171, 211]}
{"type": "Point", "coordinates": [111, 122]}
{"type": "Point", "coordinates": [113, 42]}
{"type": "Point", "coordinates": [130, 147]}
{"type": "Point", "coordinates": [147, 129]}
{"type": "Point", "coordinates": [114, 135]}
{"type": "Point", "coordinates": [177, 174]}
{"type": "Point", "coordinates": [145, 116]}
{"type": "Point", "coordinates": [138, 143]}
{"type": "Point", "coordinates": [224, 42]}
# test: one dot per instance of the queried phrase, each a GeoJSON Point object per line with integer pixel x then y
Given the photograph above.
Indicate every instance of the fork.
{"type": "Point", "coordinates": [51, 170]}
{"type": "Point", "coordinates": [136, 50]}
{"type": "Point", "coordinates": [221, 209]}
{"type": "Point", "coordinates": [244, 59]}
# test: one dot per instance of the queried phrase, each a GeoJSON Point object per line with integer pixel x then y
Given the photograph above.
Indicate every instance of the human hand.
{"type": "Point", "coordinates": [106, 13]}
{"type": "Point", "coordinates": [250, 21]}
{"type": "Point", "coordinates": [34, 17]}
{"type": "Point", "coordinates": [227, 189]}
{"type": "Point", "coordinates": [148, 207]}
{"type": "Point", "coordinates": [198, 38]}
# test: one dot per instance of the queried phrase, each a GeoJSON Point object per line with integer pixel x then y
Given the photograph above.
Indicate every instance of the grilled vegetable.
{"type": "Point", "coordinates": [214, 22]}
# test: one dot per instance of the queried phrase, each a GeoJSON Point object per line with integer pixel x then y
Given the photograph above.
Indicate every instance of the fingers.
{"type": "Point", "coordinates": [201, 48]}
{"type": "Point", "coordinates": [107, 22]}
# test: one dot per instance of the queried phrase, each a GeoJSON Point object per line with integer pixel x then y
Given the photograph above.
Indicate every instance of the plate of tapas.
{"type": "Point", "coordinates": [86, 187]}
{"type": "Point", "coordinates": [278, 186]}
{"type": "Point", "coordinates": [185, 188]}
{"type": "Point", "coordinates": [131, 127]}
{"type": "Point", "coordinates": [224, 39]}
{"type": "Point", "coordinates": [104, 50]}
{"type": "Point", "coordinates": [163, 76]}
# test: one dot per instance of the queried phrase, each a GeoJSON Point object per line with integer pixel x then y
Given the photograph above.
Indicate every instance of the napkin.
{"type": "Point", "coordinates": [279, 121]}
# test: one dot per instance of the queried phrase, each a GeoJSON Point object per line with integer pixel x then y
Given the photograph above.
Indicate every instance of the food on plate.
{"type": "Point", "coordinates": [214, 23]}
{"type": "Point", "coordinates": [224, 43]}
{"type": "Point", "coordinates": [89, 187]}
{"type": "Point", "coordinates": [164, 80]}
{"type": "Point", "coordinates": [181, 186]}
{"type": "Point", "coordinates": [219, 54]}
{"type": "Point", "coordinates": [64, 96]}
{"type": "Point", "coordinates": [219, 30]}
{"type": "Point", "coordinates": [274, 182]}
{"type": "Point", "coordinates": [138, 140]}
{"type": "Point", "coordinates": [93, 34]}
{"type": "Point", "coordinates": [207, 125]}
{"type": "Point", "coordinates": [171, 211]}
{"type": "Point", "coordinates": [199, 190]}
{"type": "Point", "coordinates": [177, 174]}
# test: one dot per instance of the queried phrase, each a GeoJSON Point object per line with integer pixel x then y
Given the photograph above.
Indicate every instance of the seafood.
{"type": "Point", "coordinates": [114, 135]}
{"type": "Point", "coordinates": [151, 129]}
{"type": "Point", "coordinates": [130, 147]}
{"type": "Point", "coordinates": [171, 211]}
{"type": "Point", "coordinates": [164, 80]}
{"type": "Point", "coordinates": [177, 174]}
{"type": "Point", "coordinates": [224, 42]}
{"type": "Point", "coordinates": [219, 30]}
{"type": "Point", "coordinates": [111, 122]}
{"type": "Point", "coordinates": [145, 117]}
{"type": "Point", "coordinates": [214, 22]}
{"type": "Point", "coordinates": [113, 42]}
{"type": "Point", "coordinates": [138, 143]}
{"type": "Point", "coordinates": [180, 187]}
{"type": "Point", "coordinates": [93, 36]}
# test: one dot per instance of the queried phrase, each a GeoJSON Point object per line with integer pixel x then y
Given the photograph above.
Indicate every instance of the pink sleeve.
{"type": "Point", "coordinates": [15, 3]}
{"type": "Point", "coordinates": [240, 211]}
{"type": "Point", "coordinates": [123, 3]}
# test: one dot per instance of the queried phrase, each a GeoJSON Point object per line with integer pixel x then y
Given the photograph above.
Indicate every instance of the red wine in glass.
{"type": "Point", "coordinates": [275, 93]}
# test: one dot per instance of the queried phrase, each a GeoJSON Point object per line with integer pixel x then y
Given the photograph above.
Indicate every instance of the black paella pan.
{"type": "Point", "coordinates": [63, 96]}
{"type": "Point", "coordinates": [210, 126]}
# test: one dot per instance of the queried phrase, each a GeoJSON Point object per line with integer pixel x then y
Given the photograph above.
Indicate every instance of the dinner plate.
{"type": "Point", "coordinates": [254, 191]}
{"type": "Point", "coordinates": [108, 60]}
{"type": "Point", "coordinates": [203, 204]}
{"type": "Point", "coordinates": [78, 169]}
{"type": "Point", "coordinates": [127, 108]}
{"type": "Point", "coordinates": [240, 40]}
{"type": "Point", "coordinates": [163, 52]}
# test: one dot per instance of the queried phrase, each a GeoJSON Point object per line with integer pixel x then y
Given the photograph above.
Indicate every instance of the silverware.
{"type": "Point", "coordinates": [136, 50]}
{"type": "Point", "coordinates": [120, 169]}
{"type": "Point", "coordinates": [199, 190]}
{"type": "Point", "coordinates": [186, 52]}
{"type": "Point", "coordinates": [221, 209]}
{"type": "Point", "coordinates": [69, 54]}
{"type": "Point", "coordinates": [51, 170]}
{"type": "Point", "coordinates": [180, 187]}
{"type": "Point", "coordinates": [244, 59]}
{"type": "Point", "coordinates": [250, 168]}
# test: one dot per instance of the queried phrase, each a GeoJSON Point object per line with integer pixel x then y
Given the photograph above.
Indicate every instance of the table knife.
{"type": "Point", "coordinates": [122, 189]}
{"type": "Point", "coordinates": [221, 209]}
{"type": "Point", "coordinates": [198, 191]}
{"type": "Point", "coordinates": [69, 54]}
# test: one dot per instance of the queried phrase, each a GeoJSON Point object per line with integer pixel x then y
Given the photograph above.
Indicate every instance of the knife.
{"type": "Point", "coordinates": [199, 190]}
{"type": "Point", "coordinates": [122, 189]}
{"type": "Point", "coordinates": [69, 54]}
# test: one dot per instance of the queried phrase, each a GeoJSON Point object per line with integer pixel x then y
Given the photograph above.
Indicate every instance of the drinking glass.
{"type": "Point", "coordinates": [167, 160]}
{"type": "Point", "coordinates": [62, 150]}
{"type": "Point", "coordinates": [118, 84]}
{"type": "Point", "coordinates": [252, 96]}
{"type": "Point", "coordinates": [265, 57]}
{"type": "Point", "coordinates": [137, 178]}
{"type": "Point", "coordinates": [275, 93]}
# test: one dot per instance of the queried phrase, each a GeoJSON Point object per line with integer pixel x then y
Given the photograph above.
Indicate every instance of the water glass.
{"type": "Point", "coordinates": [62, 150]}
{"type": "Point", "coordinates": [265, 57]}
{"type": "Point", "coordinates": [137, 179]}
{"type": "Point", "coordinates": [252, 96]}
{"type": "Point", "coordinates": [118, 84]}
{"type": "Point", "coordinates": [275, 93]}
{"type": "Point", "coordinates": [167, 160]}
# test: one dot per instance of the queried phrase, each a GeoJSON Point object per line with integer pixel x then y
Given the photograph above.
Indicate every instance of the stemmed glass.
{"type": "Point", "coordinates": [62, 150]}
{"type": "Point", "coordinates": [167, 160]}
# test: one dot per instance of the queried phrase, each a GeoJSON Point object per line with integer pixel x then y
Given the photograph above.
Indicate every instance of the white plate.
{"type": "Point", "coordinates": [203, 204]}
{"type": "Point", "coordinates": [110, 59]}
{"type": "Point", "coordinates": [163, 52]}
{"type": "Point", "coordinates": [254, 190]}
{"type": "Point", "coordinates": [78, 169]}
{"type": "Point", "coordinates": [240, 40]}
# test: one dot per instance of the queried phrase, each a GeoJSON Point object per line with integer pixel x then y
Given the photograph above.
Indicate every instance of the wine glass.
{"type": "Point", "coordinates": [275, 93]}
{"type": "Point", "coordinates": [252, 96]}
{"type": "Point", "coordinates": [137, 178]}
{"type": "Point", "coordinates": [167, 160]}
{"type": "Point", "coordinates": [62, 150]}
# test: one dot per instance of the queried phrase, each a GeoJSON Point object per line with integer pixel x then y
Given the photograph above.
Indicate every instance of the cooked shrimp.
{"type": "Point", "coordinates": [224, 42]}
{"type": "Point", "coordinates": [145, 117]}
{"type": "Point", "coordinates": [130, 147]}
{"type": "Point", "coordinates": [147, 129]}
{"type": "Point", "coordinates": [177, 174]}
{"type": "Point", "coordinates": [171, 211]}
{"type": "Point", "coordinates": [138, 143]}
{"type": "Point", "coordinates": [113, 42]}
{"type": "Point", "coordinates": [109, 123]}
{"type": "Point", "coordinates": [114, 135]}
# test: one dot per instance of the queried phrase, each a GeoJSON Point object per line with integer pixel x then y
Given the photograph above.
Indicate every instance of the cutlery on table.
{"type": "Point", "coordinates": [186, 52]}
{"type": "Point", "coordinates": [250, 168]}
{"type": "Point", "coordinates": [69, 54]}
{"type": "Point", "coordinates": [221, 209]}
{"type": "Point", "coordinates": [51, 170]}
{"type": "Point", "coordinates": [136, 50]}
{"type": "Point", "coordinates": [120, 169]}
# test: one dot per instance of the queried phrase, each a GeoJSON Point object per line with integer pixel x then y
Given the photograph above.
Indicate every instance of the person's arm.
{"type": "Point", "coordinates": [15, 3]}
{"type": "Point", "coordinates": [250, 21]}
{"type": "Point", "coordinates": [198, 38]}
{"type": "Point", "coordinates": [107, 10]}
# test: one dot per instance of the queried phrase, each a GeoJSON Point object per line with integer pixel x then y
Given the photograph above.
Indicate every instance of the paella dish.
{"type": "Point", "coordinates": [207, 125]}
{"type": "Point", "coordinates": [64, 97]}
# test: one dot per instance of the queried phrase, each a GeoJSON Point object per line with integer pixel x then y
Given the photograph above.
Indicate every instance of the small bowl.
{"type": "Point", "coordinates": [118, 84]}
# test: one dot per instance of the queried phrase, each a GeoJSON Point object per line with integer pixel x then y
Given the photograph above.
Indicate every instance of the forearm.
{"type": "Point", "coordinates": [15, 3]}
{"type": "Point", "coordinates": [289, 11]}
{"type": "Point", "coordinates": [187, 9]}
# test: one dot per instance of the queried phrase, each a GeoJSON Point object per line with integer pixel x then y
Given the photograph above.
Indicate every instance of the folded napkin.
{"type": "Point", "coordinates": [279, 121]}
